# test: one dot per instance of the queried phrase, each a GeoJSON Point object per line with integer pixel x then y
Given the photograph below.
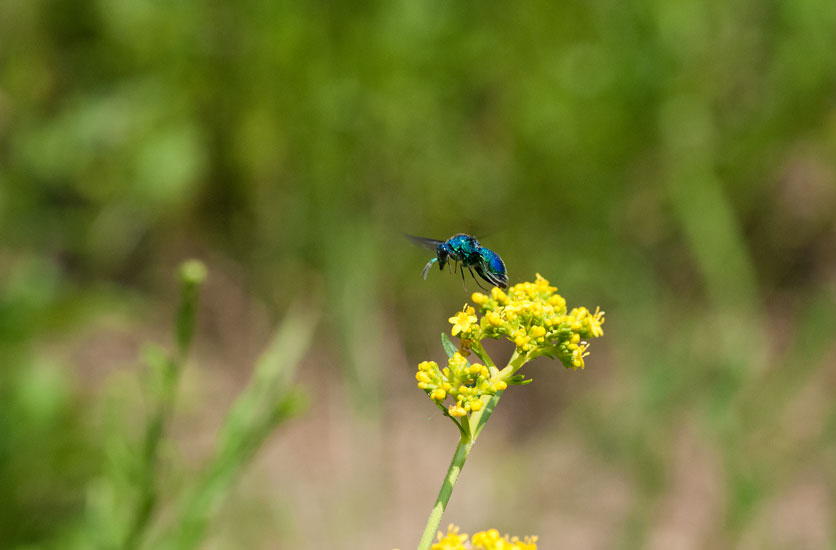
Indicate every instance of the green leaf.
{"type": "Point", "coordinates": [449, 348]}
{"type": "Point", "coordinates": [519, 380]}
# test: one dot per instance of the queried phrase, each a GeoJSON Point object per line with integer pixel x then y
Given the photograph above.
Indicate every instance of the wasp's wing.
{"type": "Point", "coordinates": [430, 244]}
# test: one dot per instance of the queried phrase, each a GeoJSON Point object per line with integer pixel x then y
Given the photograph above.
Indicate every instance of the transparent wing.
{"type": "Point", "coordinates": [430, 244]}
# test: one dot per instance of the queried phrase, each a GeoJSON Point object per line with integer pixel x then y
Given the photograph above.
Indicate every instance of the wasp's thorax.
{"type": "Point", "coordinates": [462, 248]}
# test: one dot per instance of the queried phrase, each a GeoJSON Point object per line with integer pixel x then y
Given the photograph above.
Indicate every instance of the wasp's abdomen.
{"type": "Point", "coordinates": [495, 266]}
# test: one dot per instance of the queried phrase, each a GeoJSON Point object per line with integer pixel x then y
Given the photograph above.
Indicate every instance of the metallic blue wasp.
{"type": "Point", "coordinates": [465, 252]}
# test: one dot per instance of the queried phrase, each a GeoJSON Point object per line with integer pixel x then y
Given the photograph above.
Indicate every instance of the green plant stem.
{"type": "Point", "coordinates": [516, 361]}
{"type": "Point", "coordinates": [482, 354]}
{"type": "Point", "coordinates": [475, 424]}
{"type": "Point", "coordinates": [268, 400]}
{"type": "Point", "coordinates": [167, 371]}
{"type": "Point", "coordinates": [456, 465]}
{"type": "Point", "coordinates": [157, 424]}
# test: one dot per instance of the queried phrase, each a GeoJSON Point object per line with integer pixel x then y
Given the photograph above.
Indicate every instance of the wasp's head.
{"type": "Point", "coordinates": [443, 253]}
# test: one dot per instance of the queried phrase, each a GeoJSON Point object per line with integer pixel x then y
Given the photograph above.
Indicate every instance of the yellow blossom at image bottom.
{"type": "Point", "coordinates": [483, 540]}
{"type": "Point", "coordinates": [491, 540]}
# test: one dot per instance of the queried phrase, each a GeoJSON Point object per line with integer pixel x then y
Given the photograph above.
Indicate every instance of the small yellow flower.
{"type": "Point", "coordinates": [451, 541]}
{"type": "Point", "coordinates": [578, 355]}
{"type": "Point", "coordinates": [479, 298]}
{"type": "Point", "coordinates": [521, 339]}
{"type": "Point", "coordinates": [484, 540]}
{"type": "Point", "coordinates": [457, 362]}
{"type": "Point", "coordinates": [427, 365]}
{"type": "Point", "coordinates": [463, 320]}
{"type": "Point", "coordinates": [498, 295]}
{"type": "Point", "coordinates": [494, 318]}
{"type": "Point", "coordinates": [594, 323]}
{"type": "Point", "coordinates": [543, 285]}
{"type": "Point", "coordinates": [491, 540]}
{"type": "Point", "coordinates": [558, 302]}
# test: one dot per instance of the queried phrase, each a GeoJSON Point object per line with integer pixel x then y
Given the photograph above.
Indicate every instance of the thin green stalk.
{"type": "Point", "coordinates": [482, 354]}
{"type": "Point", "coordinates": [456, 465]}
{"type": "Point", "coordinates": [268, 400]}
{"type": "Point", "coordinates": [545, 329]}
{"type": "Point", "coordinates": [514, 364]}
{"type": "Point", "coordinates": [148, 497]}
{"type": "Point", "coordinates": [167, 371]}
{"type": "Point", "coordinates": [468, 437]}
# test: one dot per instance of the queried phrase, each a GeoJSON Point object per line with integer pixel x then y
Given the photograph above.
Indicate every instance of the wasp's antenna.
{"type": "Point", "coordinates": [427, 268]}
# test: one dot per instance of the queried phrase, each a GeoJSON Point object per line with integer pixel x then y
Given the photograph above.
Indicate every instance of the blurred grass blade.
{"type": "Point", "coordinates": [165, 372]}
{"type": "Point", "coordinates": [702, 207]}
{"type": "Point", "coordinates": [267, 401]}
{"type": "Point", "coordinates": [352, 262]}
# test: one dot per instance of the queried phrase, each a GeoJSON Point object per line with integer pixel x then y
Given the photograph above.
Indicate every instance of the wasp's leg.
{"type": "Point", "coordinates": [464, 284]}
{"type": "Point", "coordinates": [477, 280]}
{"type": "Point", "coordinates": [490, 278]}
{"type": "Point", "coordinates": [427, 268]}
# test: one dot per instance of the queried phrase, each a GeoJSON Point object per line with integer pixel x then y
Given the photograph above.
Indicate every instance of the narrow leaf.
{"type": "Point", "coordinates": [449, 348]}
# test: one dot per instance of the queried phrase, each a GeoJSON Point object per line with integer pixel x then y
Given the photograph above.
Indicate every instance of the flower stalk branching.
{"type": "Point", "coordinates": [532, 316]}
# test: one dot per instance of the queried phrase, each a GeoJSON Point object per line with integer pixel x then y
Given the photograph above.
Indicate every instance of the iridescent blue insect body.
{"type": "Point", "coordinates": [465, 252]}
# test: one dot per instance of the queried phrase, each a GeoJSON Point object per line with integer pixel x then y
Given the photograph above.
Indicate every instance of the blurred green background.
{"type": "Point", "coordinates": [673, 162]}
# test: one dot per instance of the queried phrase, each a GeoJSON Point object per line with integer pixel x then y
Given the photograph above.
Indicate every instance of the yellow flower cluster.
{"type": "Point", "coordinates": [463, 382]}
{"type": "Point", "coordinates": [491, 540]}
{"type": "Point", "coordinates": [484, 540]}
{"type": "Point", "coordinates": [451, 541]}
{"type": "Point", "coordinates": [534, 317]}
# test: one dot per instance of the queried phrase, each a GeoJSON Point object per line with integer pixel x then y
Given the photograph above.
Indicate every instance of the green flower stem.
{"type": "Point", "coordinates": [514, 364]}
{"type": "Point", "coordinates": [482, 354]}
{"type": "Point", "coordinates": [168, 370]}
{"type": "Point", "coordinates": [475, 423]}
{"type": "Point", "coordinates": [268, 400]}
{"type": "Point", "coordinates": [535, 319]}
{"type": "Point", "coordinates": [456, 465]}
{"type": "Point", "coordinates": [480, 418]}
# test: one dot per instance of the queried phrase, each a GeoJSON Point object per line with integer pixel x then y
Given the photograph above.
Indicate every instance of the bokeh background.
{"type": "Point", "coordinates": [673, 162]}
